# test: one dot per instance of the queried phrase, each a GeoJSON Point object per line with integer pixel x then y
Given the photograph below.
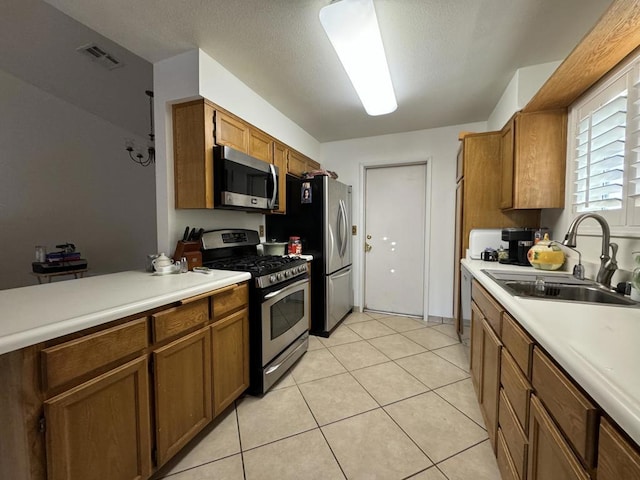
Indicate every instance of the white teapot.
{"type": "Point", "coordinates": [163, 264]}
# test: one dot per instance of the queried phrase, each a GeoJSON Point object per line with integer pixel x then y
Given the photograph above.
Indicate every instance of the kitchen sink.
{"type": "Point", "coordinates": [557, 287]}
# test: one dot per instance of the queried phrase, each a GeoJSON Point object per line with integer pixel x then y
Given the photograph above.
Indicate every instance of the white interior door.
{"type": "Point", "coordinates": [395, 204]}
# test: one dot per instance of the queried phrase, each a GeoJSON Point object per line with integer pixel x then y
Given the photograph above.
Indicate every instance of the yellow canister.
{"type": "Point", "coordinates": [546, 255]}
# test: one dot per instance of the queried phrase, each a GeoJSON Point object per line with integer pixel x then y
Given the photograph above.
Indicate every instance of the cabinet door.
{"type": "Point", "coordinates": [193, 139]}
{"type": "Point", "coordinates": [260, 146]}
{"type": "Point", "coordinates": [230, 359]}
{"type": "Point", "coordinates": [297, 163]}
{"type": "Point", "coordinates": [280, 161]}
{"type": "Point", "coordinates": [617, 458]}
{"type": "Point", "coordinates": [232, 132]}
{"type": "Point", "coordinates": [490, 380]}
{"type": "Point", "coordinates": [101, 428]}
{"type": "Point", "coordinates": [477, 349]}
{"type": "Point", "coordinates": [550, 457]}
{"type": "Point", "coordinates": [540, 149]}
{"type": "Point", "coordinates": [182, 377]}
{"type": "Point", "coordinates": [506, 158]}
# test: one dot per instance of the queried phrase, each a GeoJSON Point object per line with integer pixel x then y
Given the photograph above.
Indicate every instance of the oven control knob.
{"type": "Point", "coordinates": [287, 274]}
{"type": "Point", "coordinates": [272, 278]}
{"type": "Point", "coordinates": [279, 276]}
{"type": "Point", "coordinates": [303, 268]}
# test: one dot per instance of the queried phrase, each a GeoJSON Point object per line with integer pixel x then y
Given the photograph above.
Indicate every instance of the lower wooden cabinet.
{"type": "Point", "coordinates": [550, 457]}
{"type": "Point", "coordinates": [617, 458]}
{"type": "Point", "coordinates": [182, 384]}
{"type": "Point", "coordinates": [101, 429]}
{"type": "Point", "coordinates": [230, 347]}
{"type": "Point", "coordinates": [485, 369]}
{"type": "Point", "coordinates": [490, 380]}
{"type": "Point", "coordinates": [476, 349]}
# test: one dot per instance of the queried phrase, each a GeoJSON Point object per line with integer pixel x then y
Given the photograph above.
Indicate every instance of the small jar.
{"type": "Point", "coordinates": [295, 246]}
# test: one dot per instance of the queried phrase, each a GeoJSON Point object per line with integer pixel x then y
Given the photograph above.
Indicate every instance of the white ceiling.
{"type": "Point", "coordinates": [450, 60]}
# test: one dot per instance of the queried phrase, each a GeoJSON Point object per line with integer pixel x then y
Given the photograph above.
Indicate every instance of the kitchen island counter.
{"type": "Point", "coordinates": [597, 345]}
{"type": "Point", "coordinates": [42, 312]}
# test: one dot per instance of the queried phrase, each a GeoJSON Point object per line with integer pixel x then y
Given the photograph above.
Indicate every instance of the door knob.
{"type": "Point", "coordinates": [367, 247]}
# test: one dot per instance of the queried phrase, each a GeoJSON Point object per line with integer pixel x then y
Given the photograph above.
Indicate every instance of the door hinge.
{"type": "Point", "coordinates": [42, 424]}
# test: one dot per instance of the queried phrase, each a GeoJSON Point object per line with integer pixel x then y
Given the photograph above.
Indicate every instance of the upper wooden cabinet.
{"type": "Point", "coordinates": [533, 149]}
{"type": "Point", "coordinates": [198, 126]}
{"type": "Point", "coordinates": [231, 131]}
{"type": "Point", "coordinates": [260, 146]}
{"type": "Point", "coordinates": [193, 154]}
{"type": "Point", "coordinates": [299, 164]}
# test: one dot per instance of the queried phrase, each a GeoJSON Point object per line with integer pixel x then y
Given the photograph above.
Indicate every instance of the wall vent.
{"type": "Point", "coordinates": [100, 56]}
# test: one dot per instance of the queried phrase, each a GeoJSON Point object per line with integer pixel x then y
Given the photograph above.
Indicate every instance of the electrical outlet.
{"type": "Point", "coordinates": [354, 230]}
{"type": "Point", "coordinates": [261, 230]}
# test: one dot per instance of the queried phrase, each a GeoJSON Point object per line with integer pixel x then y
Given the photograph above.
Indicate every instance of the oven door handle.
{"type": "Point", "coordinates": [278, 292]}
{"type": "Point", "coordinates": [273, 368]}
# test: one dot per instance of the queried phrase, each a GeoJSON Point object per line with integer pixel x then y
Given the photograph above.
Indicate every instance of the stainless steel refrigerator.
{"type": "Point", "coordinates": [319, 212]}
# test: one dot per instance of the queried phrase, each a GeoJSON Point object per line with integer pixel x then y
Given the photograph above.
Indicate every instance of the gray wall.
{"type": "Point", "coordinates": [65, 177]}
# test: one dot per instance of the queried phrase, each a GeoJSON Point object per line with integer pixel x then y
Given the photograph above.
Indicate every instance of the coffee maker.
{"type": "Point", "coordinates": [520, 241]}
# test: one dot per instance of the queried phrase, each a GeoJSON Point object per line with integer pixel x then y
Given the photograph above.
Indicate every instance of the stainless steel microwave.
{"type": "Point", "coordinates": [241, 182]}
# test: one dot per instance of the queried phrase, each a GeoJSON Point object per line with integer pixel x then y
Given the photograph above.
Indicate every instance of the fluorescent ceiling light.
{"type": "Point", "coordinates": [352, 28]}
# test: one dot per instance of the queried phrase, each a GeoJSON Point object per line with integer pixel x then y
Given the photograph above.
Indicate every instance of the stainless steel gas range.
{"type": "Point", "coordinates": [278, 303]}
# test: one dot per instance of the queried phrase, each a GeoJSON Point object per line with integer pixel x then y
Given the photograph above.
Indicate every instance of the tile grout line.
{"type": "Point", "coordinates": [454, 406]}
{"type": "Point", "coordinates": [235, 410]}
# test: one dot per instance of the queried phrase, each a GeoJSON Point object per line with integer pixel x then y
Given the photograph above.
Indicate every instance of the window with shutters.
{"type": "Point", "coordinates": [604, 160]}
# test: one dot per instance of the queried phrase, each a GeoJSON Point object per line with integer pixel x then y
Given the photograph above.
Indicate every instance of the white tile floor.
{"type": "Point", "coordinates": [385, 397]}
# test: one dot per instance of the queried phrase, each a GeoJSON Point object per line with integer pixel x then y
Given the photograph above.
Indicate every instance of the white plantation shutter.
{"type": "Point", "coordinates": [633, 157]}
{"type": "Point", "coordinates": [605, 156]}
{"type": "Point", "coordinates": [600, 152]}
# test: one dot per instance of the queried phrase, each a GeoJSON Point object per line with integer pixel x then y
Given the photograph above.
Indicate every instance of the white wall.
{"type": "Point", "coordinates": [523, 86]}
{"type": "Point", "coordinates": [191, 75]}
{"type": "Point", "coordinates": [65, 177]}
{"type": "Point", "coordinates": [440, 146]}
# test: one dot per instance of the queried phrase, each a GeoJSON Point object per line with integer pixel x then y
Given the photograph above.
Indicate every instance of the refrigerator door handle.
{"type": "Point", "coordinates": [343, 237]}
{"type": "Point", "coordinates": [274, 176]}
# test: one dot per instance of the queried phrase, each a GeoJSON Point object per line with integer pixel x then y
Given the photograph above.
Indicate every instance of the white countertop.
{"type": "Point", "coordinates": [598, 345]}
{"type": "Point", "coordinates": [42, 312]}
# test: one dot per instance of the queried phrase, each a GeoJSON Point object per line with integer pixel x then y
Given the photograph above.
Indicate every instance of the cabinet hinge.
{"type": "Point", "coordinates": [42, 424]}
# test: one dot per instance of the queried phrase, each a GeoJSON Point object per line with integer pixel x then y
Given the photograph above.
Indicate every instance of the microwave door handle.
{"type": "Point", "coordinates": [274, 176]}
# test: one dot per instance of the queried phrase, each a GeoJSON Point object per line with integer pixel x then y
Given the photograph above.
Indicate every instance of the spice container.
{"type": "Point", "coordinates": [295, 246]}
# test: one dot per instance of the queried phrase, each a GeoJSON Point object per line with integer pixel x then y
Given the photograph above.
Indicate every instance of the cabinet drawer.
{"type": "Point", "coordinates": [172, 322]}
{"type": "Point", "coordinates": [515, 438]}
{"type": "Point", "coordinates": [516, 388]}
{"type": "Point", "coordinates": [519, 344]}
{"type": "Point", "coordinates": [491, 309]}
{"type": "Point", "coordinates": [618, 459]}
{"type": "Point", "coordinates": [505, 463]}
{"type": "Point", "coordinates": [70, 360]}
{"type": "Point", "coordinates": [576, 416]}
{"type": "Point", "coordinates": [229, 299]}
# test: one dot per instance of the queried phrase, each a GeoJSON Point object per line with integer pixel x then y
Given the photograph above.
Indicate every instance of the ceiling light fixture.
{"type": "Point", "coordinates": [151, 151]}
{"type": "Point", "coordinates": [352, 28]}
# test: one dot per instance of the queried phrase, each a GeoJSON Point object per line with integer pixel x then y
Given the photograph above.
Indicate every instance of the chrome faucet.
{"type": "Point", "coordinates": [608, 264]}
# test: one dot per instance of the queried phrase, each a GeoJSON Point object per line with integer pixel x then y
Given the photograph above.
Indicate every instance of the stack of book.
{"type": "Point", "coordinates": [57, 262]}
